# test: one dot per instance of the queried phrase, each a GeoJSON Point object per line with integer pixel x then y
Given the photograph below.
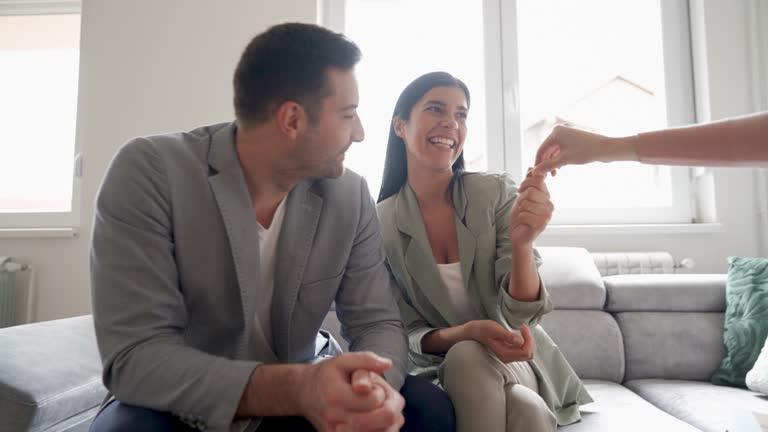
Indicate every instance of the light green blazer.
{"type": "Point", "coordinates": [482, 202]}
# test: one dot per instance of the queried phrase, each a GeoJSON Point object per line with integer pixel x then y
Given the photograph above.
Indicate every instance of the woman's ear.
{"type": "Point", "coordinates": [399, 126]}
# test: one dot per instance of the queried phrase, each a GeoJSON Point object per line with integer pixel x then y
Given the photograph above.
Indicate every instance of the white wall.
{"type": "Point", "coordinates": [151, 66]}
{"type": "Point", "coordinates": [147, 66]}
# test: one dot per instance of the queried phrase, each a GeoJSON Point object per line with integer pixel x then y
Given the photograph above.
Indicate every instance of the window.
{"type": "Point", "coordinates": [617, 67]}
{"type": "Point", "coordinates": [39, 59]}
{"type": "Point", "coordinates": [405, 55]}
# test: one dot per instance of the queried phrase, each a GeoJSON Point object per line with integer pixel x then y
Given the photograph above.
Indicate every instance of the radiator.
{"type": "Point", "coordinates": [617, 263]}
{"type": "Point", "coordinates": [10, 292]}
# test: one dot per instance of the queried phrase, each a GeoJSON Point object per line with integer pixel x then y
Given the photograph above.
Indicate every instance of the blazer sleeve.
{"type": "Point", "coordinates": [515, 312]}
{"type": "Point", "coordinates": [138, 307]}
{"type": "Point", "coordinates": [365, 302]}
{"type": "Point", "coordinates": [416, 326]}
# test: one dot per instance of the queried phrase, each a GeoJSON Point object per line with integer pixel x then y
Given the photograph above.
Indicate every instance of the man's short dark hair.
{"type": "Point", "coordinates": [289, 62]}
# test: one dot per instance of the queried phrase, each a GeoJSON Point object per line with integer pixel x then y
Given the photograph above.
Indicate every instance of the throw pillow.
{"type": "Point", "coordinates": [757, 378]}
{"type": "Point", "coordinates": [746, 319]}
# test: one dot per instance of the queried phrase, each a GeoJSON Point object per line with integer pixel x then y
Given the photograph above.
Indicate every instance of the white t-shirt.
{"type": "Point", "coordinates": [267, 247]}
{"type": "Point", "coordinates": [457, 292]}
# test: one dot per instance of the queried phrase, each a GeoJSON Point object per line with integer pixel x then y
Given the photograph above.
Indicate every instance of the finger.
{"type": "Point", "coordinates": [342, 400]}
{"type": "Point", "coordinates": [528, 341]}
{"type": "Point", "coordinates": [508, 338]}
{"type": "Point", "coordinates": [533, 221]}
{"type": "Point", "coordinates": [549, 165]}
{"type": "Point", "coordinates": [513, 340]}
{"type": "Point", "coordinates": [385, 417]}
{"type": "Point", "coordinates": [546, 148]}
{"type": "Point", "coordinates": [535, 194]}
{"type": "Point", "coordinates": [543, 209]}
{"type": "Point", "coordinates": [508, 353]}
{"type": "Point", "coordinates": [532, 179]}
{"type": "Point", "coordinates": [361, 382]}
{"type": "Point", "coordinates": [533, 183]}
{"type": "Point", "coordinates": [381, 418]}
{"type": "Point", "coordinates": [362, 360]}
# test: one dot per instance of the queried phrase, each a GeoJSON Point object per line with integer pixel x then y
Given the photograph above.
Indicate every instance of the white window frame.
{"type": "Point", "coordinates": [33, 222]}
{"type": "Point", "coordinates": [503, 123]}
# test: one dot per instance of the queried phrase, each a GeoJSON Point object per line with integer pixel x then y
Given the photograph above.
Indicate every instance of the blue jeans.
{"type": "Point", "coordinates": [427, 409]}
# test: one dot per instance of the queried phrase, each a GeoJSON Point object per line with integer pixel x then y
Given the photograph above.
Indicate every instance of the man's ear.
{"type": "Point", "coordinates": [399, 126]}
{"type": "Point", "coordinates": [291, 119]}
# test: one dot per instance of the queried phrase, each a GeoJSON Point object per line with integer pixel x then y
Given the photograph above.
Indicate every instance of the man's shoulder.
{"type": "Point", "coordinates": [195, 140]}
{"type": "Point", "coordinates": [349, 187]}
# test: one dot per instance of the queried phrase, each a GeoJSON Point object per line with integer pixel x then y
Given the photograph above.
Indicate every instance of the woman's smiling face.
{"type": "Point", "coordinates": [434, 134]}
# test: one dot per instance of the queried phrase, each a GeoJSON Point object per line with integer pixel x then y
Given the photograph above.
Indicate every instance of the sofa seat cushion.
{"type": "Point", "coordinates": [665, 293]}
{"type": "Point", "coordinates": [50, 372]}
{"type": "Point", "coordinates": [616, 408]}
{"type": "Point", "coordinates": [707, 406]}
{"type": "Point", "coordinates": [571, 277]}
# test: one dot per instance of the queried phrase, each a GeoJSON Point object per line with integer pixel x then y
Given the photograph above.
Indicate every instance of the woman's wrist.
{"type": "Point", "coordinates": [469, 330]}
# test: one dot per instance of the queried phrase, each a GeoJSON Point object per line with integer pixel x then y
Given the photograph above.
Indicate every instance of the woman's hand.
{"type": "Point", "coordinates": [531, 212]}
{"type": "Point", "coordinates": [508, 346]}
{"type": "Point", "coordinates": [570, 146]}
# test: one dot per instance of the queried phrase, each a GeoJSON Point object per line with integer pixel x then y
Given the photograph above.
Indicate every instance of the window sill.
{"type": "Point", "coordinates": [39, 233]}
{"type": "Point", "coordinates": [553, 231]}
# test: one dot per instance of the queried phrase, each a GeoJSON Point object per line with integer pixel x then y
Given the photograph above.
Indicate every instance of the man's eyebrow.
{"type": "Point", "coordinates": [348, 107]}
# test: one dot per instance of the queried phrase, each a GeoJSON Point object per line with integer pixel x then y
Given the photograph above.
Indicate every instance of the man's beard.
{"type": "Point", "coordinates": [316, 167]}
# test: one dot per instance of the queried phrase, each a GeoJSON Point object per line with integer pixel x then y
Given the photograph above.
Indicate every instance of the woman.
{"type": "Point", "coordinates": [460, 247]}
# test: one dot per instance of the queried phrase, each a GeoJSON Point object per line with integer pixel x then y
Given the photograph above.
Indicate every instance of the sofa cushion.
{"type": "Point", "coordinates": [50, 372]}
{"type": "Point", "coordinates": [708, 407]}
{"type": "Point", "coordinates": [746, 319]}
{"type": "Point", "coordinates": [679, 345]}
{"type": "Point", "coordinates": [663, 292]}
{"type": "Point", "coordinates": [590, 340]}
{"type": "Point", "coordinates": [572, 280]}
{"type": "Point", "coordinates": [616, 408]}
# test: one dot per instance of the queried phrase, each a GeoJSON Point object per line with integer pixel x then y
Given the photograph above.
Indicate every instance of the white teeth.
{"type": "Point", "coordinates": [443, 142]}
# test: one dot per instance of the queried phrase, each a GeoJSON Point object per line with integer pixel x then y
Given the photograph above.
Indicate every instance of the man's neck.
{"type": "Point", "coordinates": [267, 171]}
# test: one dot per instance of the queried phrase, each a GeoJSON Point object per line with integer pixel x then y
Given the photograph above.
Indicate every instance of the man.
{"type": "Point", "coordinates": [217, 253]}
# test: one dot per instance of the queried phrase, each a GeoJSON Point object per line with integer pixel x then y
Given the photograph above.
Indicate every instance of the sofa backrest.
{"type": "Point", "coordinates": [672, 324]}
{"type": "Point", "coordinates": [635, 326]}
{"type": "Point", "coordinates": [626, 327]}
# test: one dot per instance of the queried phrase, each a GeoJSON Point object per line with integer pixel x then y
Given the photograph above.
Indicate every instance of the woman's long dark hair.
{"type": "Point", "coordinates": [396, 163]}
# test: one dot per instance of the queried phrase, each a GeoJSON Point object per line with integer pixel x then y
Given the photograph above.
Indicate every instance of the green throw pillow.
{"type": "Point", "coordinates": [746, 318]}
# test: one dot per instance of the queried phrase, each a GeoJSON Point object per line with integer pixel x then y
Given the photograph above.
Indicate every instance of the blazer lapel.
{"type": "Point", "coordinates": [302, 214]}
{"type": "Point", "coordinates": [234, 202]}
{"type": "Point", "coordinates": [467, 240]}
{"type": "Point", "coordinates": [419, 260]}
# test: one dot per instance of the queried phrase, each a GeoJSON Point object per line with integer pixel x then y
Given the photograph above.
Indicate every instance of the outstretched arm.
{"type": "Point", "coordinates": [740, 141]}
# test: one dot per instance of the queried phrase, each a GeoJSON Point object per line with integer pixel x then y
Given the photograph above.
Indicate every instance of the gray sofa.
{"type": "Point", "coordinates": [645, 345]}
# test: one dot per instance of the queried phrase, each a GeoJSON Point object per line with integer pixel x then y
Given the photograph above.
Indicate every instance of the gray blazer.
{"type": "Point", "coordinates": [482, 204]}
{"type": "Point", "coordinates": [175, 276]}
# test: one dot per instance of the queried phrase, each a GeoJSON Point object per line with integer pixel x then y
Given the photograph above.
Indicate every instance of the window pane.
{"type": "Point", "coordinates": [401, 40]}
{"type": "Point", "coordinates": [38, 82]}
{"type": "Point", "coordinates": [598, 65]}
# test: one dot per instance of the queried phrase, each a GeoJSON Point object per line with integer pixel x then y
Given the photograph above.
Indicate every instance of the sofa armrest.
{"type": "Point", "coordinates": [50, 373]}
